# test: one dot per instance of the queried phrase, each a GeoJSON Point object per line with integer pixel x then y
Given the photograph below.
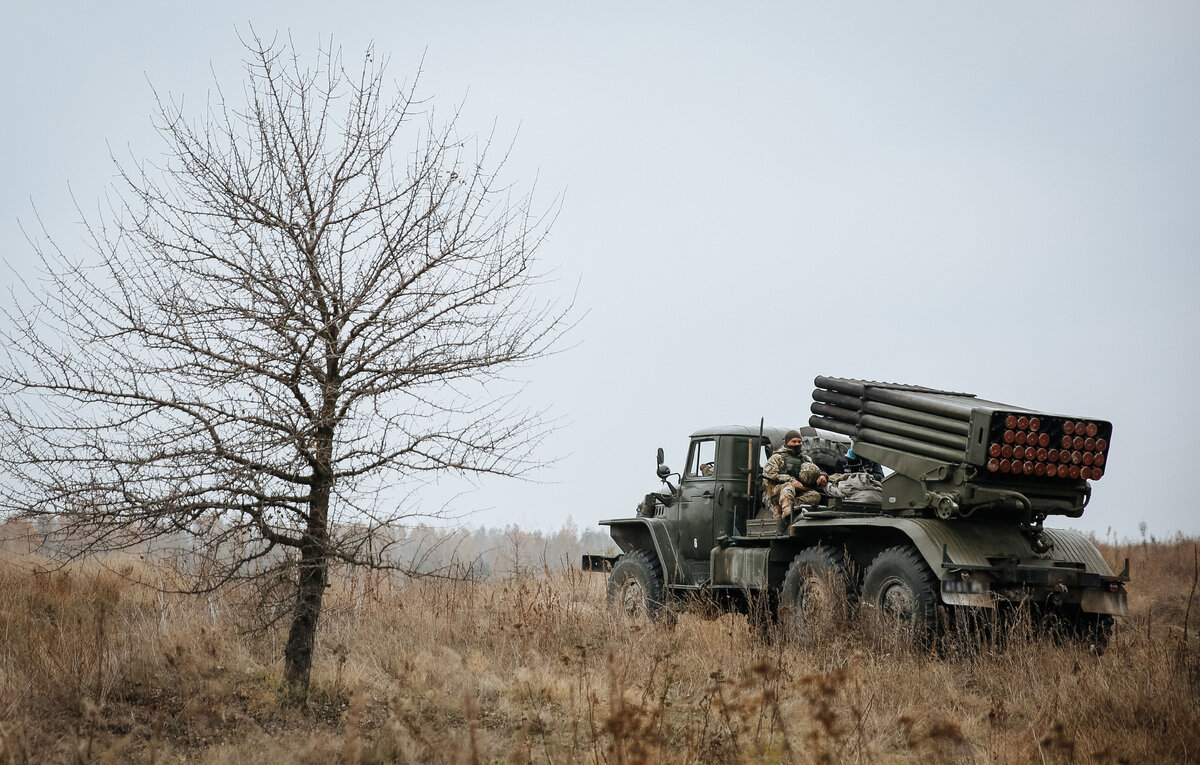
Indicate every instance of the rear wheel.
{"type": "Point", "coordinates": [903, 592]}
{"type": "Point", "coordinates": [816, 595]}
{"type": "Point", "coordinates": [1096, 629]}
{"type": "Point", "coordinates": [635, 586]}
{"type": "Point", "coordinates": [1073, 624]}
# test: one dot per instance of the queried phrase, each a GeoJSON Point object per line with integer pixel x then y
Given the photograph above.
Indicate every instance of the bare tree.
{"type": "Point", "coordinates": [290, 312]}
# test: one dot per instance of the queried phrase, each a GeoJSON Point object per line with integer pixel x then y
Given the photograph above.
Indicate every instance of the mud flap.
{"type": "Point", "coordinates": [598, 563]}
{"type": "Point", "coordinates": [970, 592]}
{"type": "Point", "coordinates": [1101, 602]}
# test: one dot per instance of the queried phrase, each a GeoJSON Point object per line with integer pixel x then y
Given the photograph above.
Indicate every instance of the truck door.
{"type": "Point", "coordinates": [694, 533]}
{"type": "Point", "coordinates": [733, 495]}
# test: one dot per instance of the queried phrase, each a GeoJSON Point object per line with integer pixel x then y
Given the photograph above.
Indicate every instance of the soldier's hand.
{"type": "Point", "coordinates": [821, 481]}
{"type": "Point", "coordinates": [796, 484]}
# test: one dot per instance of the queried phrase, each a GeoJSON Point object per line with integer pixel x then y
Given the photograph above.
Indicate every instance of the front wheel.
{"type": "Point", "coordinates": [903, 592]}
{"type": "Point", "coordinates": [635, 586]}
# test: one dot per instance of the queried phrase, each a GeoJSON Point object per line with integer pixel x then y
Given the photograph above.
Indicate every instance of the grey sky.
{"type": "Point", "coordinates": [999, 198]}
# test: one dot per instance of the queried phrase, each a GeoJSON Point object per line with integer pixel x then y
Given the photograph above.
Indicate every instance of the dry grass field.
{"type": "Point", "coordinates": [96, 669]}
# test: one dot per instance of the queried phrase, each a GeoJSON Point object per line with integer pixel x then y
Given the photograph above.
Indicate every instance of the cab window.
{"type": "Point", "coordinates": [702, 459]}
{"type": "Point", "coordinates": [734, 458]}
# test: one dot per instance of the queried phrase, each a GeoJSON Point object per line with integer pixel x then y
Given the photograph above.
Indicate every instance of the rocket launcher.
{"type": "Point", "coordinates": [955, 453]}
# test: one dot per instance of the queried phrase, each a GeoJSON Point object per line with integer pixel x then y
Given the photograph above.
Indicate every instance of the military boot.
{"type": "Point", "coordinates": [785, 508]}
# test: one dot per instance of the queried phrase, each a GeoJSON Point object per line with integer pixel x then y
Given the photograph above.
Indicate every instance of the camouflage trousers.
{"type": "Point", "coordinates": [784, 498]}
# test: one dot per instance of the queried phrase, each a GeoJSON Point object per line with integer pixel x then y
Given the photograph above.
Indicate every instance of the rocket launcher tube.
{"type": "Point", "coordinates": [924, 419]}
{"type": "Point", "coordinates": [853, 387]}
{"type": "Point", "coordinates": [915, 432]}
{"type": "Point", "coordinates": [841, 385]}
{"type": "Point", "coordinates": [909, 430]}
{"type": "Point", "coordinates": [837, 399]}
{"type": "Point", "coordinates": [952, 407]}
{"type": "Point", "coordinates": [893, 441]}
{"type": "Point", "coordinates": [834, 426]}
{"type": "Point", "coordinates": [848, 416]}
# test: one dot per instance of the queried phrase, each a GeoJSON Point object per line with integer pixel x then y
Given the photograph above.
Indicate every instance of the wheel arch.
{"type": "Point", "coordinates": [646, 534]}
{"type": "Point", "coordinates": [859, 543]}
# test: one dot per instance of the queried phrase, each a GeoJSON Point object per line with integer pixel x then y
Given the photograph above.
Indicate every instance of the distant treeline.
{"type": "Point", "coordinates": [500, 553]}
{"type": "Point", "coordinates": [478, 553]}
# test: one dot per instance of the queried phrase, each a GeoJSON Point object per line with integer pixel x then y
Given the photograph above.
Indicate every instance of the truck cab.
{"type": "Point", "coordinates": [717, 497]}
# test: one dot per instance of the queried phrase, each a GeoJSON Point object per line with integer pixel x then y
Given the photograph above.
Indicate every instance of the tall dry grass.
{"type": "Point", "coordinates": [96, 669]}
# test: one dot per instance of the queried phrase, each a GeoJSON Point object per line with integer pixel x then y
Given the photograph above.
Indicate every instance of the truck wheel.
{"type": "Point", "coordinates": [635, 586]}
{"type": "Point", "coordinates": [1088, 629]}
{"type": "Point", "coordinates": [903, 591]}
{"type": "Point", "coordinates": [816, 593]}
{"type": "Point", "coordinates": [1096, 629]}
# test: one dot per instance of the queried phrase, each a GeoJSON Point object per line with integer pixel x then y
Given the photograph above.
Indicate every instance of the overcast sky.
{"type": "Point", "coordinates": [997, 198]}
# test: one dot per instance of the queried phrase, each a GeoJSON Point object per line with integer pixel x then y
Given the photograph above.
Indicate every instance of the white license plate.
{"type": "Point", "coordinates": [968, 587]}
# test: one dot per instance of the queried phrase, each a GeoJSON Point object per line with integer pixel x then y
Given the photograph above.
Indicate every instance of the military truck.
{"type": "Point", "coordinates": [957, 530]}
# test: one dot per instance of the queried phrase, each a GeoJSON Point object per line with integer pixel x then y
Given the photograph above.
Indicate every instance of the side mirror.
{"type": "Point", "coordinates": [663, 470]}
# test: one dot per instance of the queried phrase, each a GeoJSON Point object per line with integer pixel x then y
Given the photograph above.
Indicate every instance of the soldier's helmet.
{"type": "Point", "coordinates": [809, 473]}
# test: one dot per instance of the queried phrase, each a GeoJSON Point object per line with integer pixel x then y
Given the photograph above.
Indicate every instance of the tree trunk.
{"type": "Point", "coordinates": [310, 591]}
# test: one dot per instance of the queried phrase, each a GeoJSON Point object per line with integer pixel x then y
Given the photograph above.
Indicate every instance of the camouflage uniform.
{"type": "Point", "coordinates": [778, 474]}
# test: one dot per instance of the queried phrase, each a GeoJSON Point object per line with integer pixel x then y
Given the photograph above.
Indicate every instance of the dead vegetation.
{"type": "Point", "coordinates": [534, 669]}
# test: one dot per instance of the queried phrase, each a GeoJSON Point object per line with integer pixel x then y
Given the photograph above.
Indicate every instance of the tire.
{"type": "Point", "coordinates": [816, 595]}
{"type": "Point", "coordinates": [1095, 630]}
{"type": "Point", "coordinates": [904, 593]}
{"type": "Point", "coordinates": [1074, 625]}
{"type": "Point", "coordinates": [635, 585]}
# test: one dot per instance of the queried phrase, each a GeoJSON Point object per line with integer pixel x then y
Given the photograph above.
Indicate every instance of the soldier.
{"type": "Point", "coordinates": [788, 471]}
